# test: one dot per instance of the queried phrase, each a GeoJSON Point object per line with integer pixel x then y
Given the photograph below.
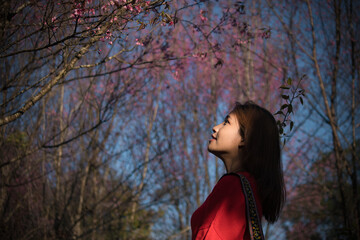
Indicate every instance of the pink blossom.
{"type": "Point", "coordinates": [104, 8]}
{"type": "Point", "coordinates": [202, 17]}
{"type": "Point", "coordinates": [139, 43]}
{"type": "Point", "coordinates": [77, 12]}
{"type": "Point", "coordinates": [138, 8]}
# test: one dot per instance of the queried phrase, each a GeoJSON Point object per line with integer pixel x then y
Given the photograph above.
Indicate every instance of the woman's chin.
{"type": "Point", "coordinates": [210, 149]}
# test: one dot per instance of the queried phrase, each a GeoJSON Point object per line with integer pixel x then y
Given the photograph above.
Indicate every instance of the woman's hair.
{"type": "Point", "coordinates": [261, 155]}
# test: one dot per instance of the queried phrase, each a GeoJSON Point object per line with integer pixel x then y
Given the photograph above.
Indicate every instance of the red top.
{"type": "Point", "coordinates": [223, 214]}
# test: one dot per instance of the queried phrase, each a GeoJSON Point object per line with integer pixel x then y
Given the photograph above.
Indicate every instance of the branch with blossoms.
{"type": "Point", "coordinates": [64, 33]}
{"type": "Point", "coordinates": [207, 27]}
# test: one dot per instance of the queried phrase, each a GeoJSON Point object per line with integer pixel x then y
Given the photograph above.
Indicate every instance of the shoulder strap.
{"type": "Point", "coordinates": [253, 219]}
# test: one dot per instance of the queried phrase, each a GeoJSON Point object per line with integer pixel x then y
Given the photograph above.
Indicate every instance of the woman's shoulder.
{"type": "Point", "coordinates": [226, 192]}
{"type": "Point", "coordinates": [223, 214]}
{"type": "Point", "coordinates": [230, 186]}
{"type": "Point", "coordinates": [230, 221]}
{"type": "Point", "coordinates": [233, 178]}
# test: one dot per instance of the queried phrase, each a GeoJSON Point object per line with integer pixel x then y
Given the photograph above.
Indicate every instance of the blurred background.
{"type": "Point", "coordinates": [107, 107]}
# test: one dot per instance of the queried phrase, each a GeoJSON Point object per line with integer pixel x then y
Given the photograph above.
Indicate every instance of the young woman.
{"type": "Point", "coordinates": [248, 143]}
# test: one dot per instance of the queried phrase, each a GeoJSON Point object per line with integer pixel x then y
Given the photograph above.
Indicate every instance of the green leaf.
{"type": "Point", "coordinates": [284, 87]}
{"type": "Point", "coordinates": [142, 26]}
{"type": "Point", "coordinates": [290, 108]}
{"type": "Point", "coordinates": [279, 112]}
{"type": "Point", "coordinates": [166, 17]}
{"type": "Point", "coordinates": [285, 96]}
{"type": "Point", "coordinates": [154, 20]}
{"type": "Point", "coordinates": [301, 100]}
{"type": "Point", "coordinates": [281, 131]}
{"type": "Point", "coordinates": [289, 81]}
{"type": "Point", "coordinates": [291, 125]}
{"type": "Point", "coordinates": [283, 106]}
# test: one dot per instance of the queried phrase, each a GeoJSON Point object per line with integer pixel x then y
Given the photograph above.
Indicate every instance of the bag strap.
{"type": "Point", "coordinates": [252, 215]}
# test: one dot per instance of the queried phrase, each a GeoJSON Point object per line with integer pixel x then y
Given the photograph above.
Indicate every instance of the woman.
{"type": "Point", "coordinates": [248, 143]}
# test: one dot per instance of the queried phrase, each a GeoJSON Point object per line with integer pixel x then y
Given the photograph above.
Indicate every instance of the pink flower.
{"type": "Point", "coordinates": [139, 43]}
{"type": "Point", "coordinates": [138, 8]}
{"type": "Point", "coordinates": [77, 12]}
{"type": "Point", "coordinates": [104, 8]}
{"type": "Point", "coordinates": [203, 19]}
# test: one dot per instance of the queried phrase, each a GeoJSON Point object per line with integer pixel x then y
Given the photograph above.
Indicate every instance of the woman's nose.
{"type": "Point", "coordinates": [215, 128]}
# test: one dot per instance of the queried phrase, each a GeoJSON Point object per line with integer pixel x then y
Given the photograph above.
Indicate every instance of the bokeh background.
{"type": "Point", "coordinates": [107, 107]}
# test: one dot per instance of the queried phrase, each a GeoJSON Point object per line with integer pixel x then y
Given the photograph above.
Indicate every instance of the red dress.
{"type": "Point", "coordinates": [223, 214]}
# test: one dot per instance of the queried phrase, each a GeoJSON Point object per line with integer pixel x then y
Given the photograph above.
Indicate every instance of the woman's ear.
{"type": "Point", "coordinates": [242, 143]}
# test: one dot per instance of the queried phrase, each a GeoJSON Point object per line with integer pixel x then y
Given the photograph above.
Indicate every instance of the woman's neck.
{"type": "Point", "coordinates": [233, 165]}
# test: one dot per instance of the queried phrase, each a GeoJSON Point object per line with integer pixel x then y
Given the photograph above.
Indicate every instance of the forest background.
{"type": "Point", "coordinates": [107, 106]}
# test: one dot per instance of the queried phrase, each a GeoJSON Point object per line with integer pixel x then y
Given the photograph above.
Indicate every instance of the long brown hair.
{"type": "Point", "coordinates": [261, 155]}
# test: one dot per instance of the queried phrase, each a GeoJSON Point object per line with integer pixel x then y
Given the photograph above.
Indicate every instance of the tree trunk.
{"type": "Point", "coordinates": [330, 113]}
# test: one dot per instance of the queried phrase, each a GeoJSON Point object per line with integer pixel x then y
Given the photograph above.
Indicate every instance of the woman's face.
{"type": "Point", "coordinates": [226, 139]}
